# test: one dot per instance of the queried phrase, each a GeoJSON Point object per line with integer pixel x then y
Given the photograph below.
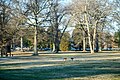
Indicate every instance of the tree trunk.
{"type": "Point", "coordinates": [35, 43]}
{"type": "Point", "coordinates": [97, 43]}
{"type": "Point", "coordinates": [56, 46]}
{"type": "Point", "coordinates": [84, 42]}
{"type": "Point", "coordinates": [53, 50]}
{"type": "Point", "coordinates": [90, 44]}
{"type": "Point", "coordinates": [56, 37]}
{"type": "Point", "coordinates": [94, 39]}
{"type": "Point", "coordinates": [119, 38]}
{"type": "Point", "coordinates": [21, 43]}
{"type": "Point", "coordinates": [13, 44]}
{"type": "Point", "coordinates": [100, 42]}
{"type": "Point", "coordinates": [88, 31]}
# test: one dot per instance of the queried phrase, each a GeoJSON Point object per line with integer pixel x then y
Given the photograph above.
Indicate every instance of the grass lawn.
{"type": "Point", "coordinates": [84, 66]}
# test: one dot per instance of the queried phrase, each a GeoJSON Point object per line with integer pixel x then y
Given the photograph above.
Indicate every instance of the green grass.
{"type": "Point", "coordinates": [85, 66]}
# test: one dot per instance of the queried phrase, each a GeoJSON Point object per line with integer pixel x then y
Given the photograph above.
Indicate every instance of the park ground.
{"type": "Point", "coordinates": [47, 66]}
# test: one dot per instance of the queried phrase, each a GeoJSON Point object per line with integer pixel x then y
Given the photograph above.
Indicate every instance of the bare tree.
{"type": "Point", "coordinates": [35, 17]}
{"type": "Point", "coordinates": [9, 21]}
{"type": "Point", "coordinates": [116, 17]}
{"type": "Point", "coordinates": [58, 18]}
{"type": "Point", "coordinates": [116, 12]}
{"type": "Point", "coordinates": [6, 15]}
{"type": "Point", "coordinates": [90, 13]}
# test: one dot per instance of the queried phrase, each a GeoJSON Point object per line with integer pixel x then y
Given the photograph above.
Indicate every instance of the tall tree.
{"type": "Point", "coordinates": [90, 13]}
{"type": "Point", "coordinates": [36, 10]}
{"type": "Point", "coordinates": [116, 12]}
{"type": "Point", "coordinates": [18, 20]}
{"type": "Point", "coordinates": [6, 16]}
{"type": "Point", "coordinates": [116, 17]}
{"type": "Point", "coordinates": [59, 18]}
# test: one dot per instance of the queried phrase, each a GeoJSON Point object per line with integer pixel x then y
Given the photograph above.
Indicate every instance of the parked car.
{"type": "Point", "coordinates": [18, 48]}
{"type": "Point", "coordinates": [44, 49]}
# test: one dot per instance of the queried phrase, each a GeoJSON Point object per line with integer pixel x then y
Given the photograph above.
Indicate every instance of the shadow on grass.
{"type": "Point", "coordinates": [62, 71]}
